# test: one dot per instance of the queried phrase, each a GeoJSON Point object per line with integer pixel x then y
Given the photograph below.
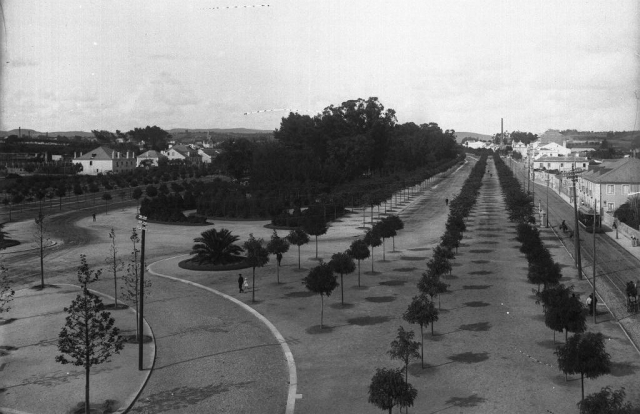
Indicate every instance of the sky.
{"type": "Point", "coordinates": [71, 65]}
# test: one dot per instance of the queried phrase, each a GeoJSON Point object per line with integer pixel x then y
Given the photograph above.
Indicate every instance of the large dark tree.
{"type": "Point", "coordinates": [584, 354]}
{"type": "Point", "coordinates": [154, 137]}
{"type": "Point", "coordinates": [388, 389]}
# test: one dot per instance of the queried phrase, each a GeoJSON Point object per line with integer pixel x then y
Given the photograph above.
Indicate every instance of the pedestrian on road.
{"type": "Point", "coordinates": [94, 216]}
{"type": "Point", "coordinates": [446, 201]}
{"type": "Point", "coordinates": [279, 258]}
{"type": "Point", "coordinates": [240, 283]}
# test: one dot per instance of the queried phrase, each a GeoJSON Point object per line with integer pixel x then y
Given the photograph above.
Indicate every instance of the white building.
{"type": "Point", "coordinates": [551, 150]}
{"type": "Point", "coordinates": [104, 160]}
{"type": "Point", "coordinates": [149, 159]}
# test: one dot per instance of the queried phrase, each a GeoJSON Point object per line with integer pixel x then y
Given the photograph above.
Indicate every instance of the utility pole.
{"type": "Point", "coordinates": [142, 224]}
{"type": "Point", "coordinates": [573, 176]}
{"type": "Point", "coordinates": [547, 223]}
{"type": "Point", "coordinates": [595, 206]}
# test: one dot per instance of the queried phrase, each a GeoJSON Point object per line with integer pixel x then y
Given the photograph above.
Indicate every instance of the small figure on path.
{"type": "Point", "coordinates": [446, 201]}
{"type": "Point", "coordinates": [94, 216]}
{"type": "Point", "coordinates": [570, 234]}
{"type": "Point", "coordinates": [592, 301]}
{"type": "Point", "coordinates": [240, 283]}
{"type": "Point", "coordinates": [279, 258]}
{"type": "Point", "coordinates": [246, 285]}
{"type": "Point", "coordinates": [563, 226]}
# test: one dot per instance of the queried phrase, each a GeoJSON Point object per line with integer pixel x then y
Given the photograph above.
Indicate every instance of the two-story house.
{"type": "Point", "coordinates": [610, 183]}
{"type": "Point", "coordinates": [103, 160]}
{"type": "Point", "coordinates": [150, 158]}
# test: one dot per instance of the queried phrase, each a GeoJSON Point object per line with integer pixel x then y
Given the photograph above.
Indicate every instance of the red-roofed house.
{"type": "Point", "coordinates": [610, 183]}
{"type": "Point", "coordinates": [104, 160]}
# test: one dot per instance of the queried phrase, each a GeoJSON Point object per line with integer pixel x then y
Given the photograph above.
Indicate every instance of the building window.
{"type": "Point", "coordinates": [548, 165]}
{"type": "Point", "coordinates": [561, 164]}
{"type": "Point", "coordinates": [610, 189]}
{"type": "Point", "coordinates": [90, 162]}
{"type": "Point", "coordinates": [610, 206]}
{"type": "Point", "coordinates": [584, 165]}
{"type": "Point", "coordinates": [625, 188]}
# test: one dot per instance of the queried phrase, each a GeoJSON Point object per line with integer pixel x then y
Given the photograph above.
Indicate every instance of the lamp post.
{"type": "Point", "coordinates": [142, 225]}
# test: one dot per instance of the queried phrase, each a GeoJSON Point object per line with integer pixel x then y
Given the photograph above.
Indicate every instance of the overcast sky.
{"type": "Point", "coordinates": [82, 65]}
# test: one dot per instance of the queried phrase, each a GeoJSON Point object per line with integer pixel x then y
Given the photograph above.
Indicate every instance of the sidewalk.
{"type": "Point", "coordinates": [33, 382]}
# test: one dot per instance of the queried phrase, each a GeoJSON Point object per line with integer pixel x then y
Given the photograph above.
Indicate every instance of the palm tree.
{"type": "Point", "coordinates": [216, 247]}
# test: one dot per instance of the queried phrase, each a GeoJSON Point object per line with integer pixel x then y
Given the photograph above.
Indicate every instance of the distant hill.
{"type": "Point", "coordinates": [34, 133]}
{"type": "Point", "coordinates": [481, 137]}
{"type": "Point", "coordinates": [243, 131]}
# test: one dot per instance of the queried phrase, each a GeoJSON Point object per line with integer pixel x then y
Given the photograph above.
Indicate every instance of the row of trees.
{"type": "Point", "coordinates": [584, 353]}
{"type": "Point", "coordinates": [388, 388]}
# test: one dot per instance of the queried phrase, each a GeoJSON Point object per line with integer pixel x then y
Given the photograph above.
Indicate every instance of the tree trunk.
{"type": "Point", "coordinates": [342, 289]}
{"type": "Point", "coordinates": [383, 252]}
{"type": "Point", "coordinates": [298, 257]}
{"type": "Point", "coordinates": [316, 247]}
{"type": "Point", "coordinates": [41, 260]}
{"type": "Point", "coordinates": [86, 386]}
{"type": "Point", "coordinates": [371, 259]}
{"type": "Point", "coordinates": [431, 328]}
{"type": "Point", "coordinates": [278, 272]}
{"type": "Point", "coordinates": [358, 272]}
{"type": "Point", "coordinates": [394, 243]}
{"type": "Point", "coordinates": [253, 287]}
{"type": "Point", "coordinates": [582, 384]}
{"type": "Point", "coordinates": [321, 311]}
{"type": "Point", "coordinates": [422, 343]}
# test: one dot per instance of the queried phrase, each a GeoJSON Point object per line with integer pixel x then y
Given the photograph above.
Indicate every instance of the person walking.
{"type": "Point", "coordinates": [279, 258]}
{"type": "Point", "coordinates": [446, 201]}
{"type": "Point", "coordinates": [240, 283]}
{"type": "Point", "coordinates": [94, 217]}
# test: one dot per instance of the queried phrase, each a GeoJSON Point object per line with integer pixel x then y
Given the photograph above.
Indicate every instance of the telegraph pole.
{"type": "Point", "coordinates": [142, 224]}
{"type": "Point", "coordinates": [573, 176]}
{"type": "Point", "coordinates": [547, 223]}
{"type": "Point", "coordinates": [593, 301]}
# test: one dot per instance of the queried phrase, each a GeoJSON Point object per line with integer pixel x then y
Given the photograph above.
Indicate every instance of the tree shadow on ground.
{"type": "Point", "coordinates": [476, 287]}
{"type": "Point", "coordinates": [341, 305]}
{"type": "Point", "coordinates": [469, 357]}
{"type": "Point", "coordinates": [404, 269]}
{"type": "Point", "coordinates": [470, 401]}
{"type": "Point", "coordinates": [413, 258]}
{"type": "Point", "coordinates": [476, 304]}
{"type": "Point", "coordinates": [393, 283]}
{"type": "Point", "coordinates": [380, 299]}
{"type": "Point", "coordinates": [481, 272]}
{"type": "Point", "coordinates": [305, 294]}
{"type": "Point", "coordinates": [317, 329]}
{"type": "Point", "coordinates": [480, 261]}
{"type": "Point", "coordinates": [480, 251]}
{"type": "Point", "coordinates": [370, 273]}
{"type": "Point", "coordinates": [549, 344]}
{"type": "Point", "coordinates": [416, 369]}
{"type": "Point", "coordinates": [623, 369]}
{"type": "Point", "coordinates": [368, 320]}
{"type": "Point", "coordinates": [419, 249]}
{"type": "Point", "coordinates": [476, 327]}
